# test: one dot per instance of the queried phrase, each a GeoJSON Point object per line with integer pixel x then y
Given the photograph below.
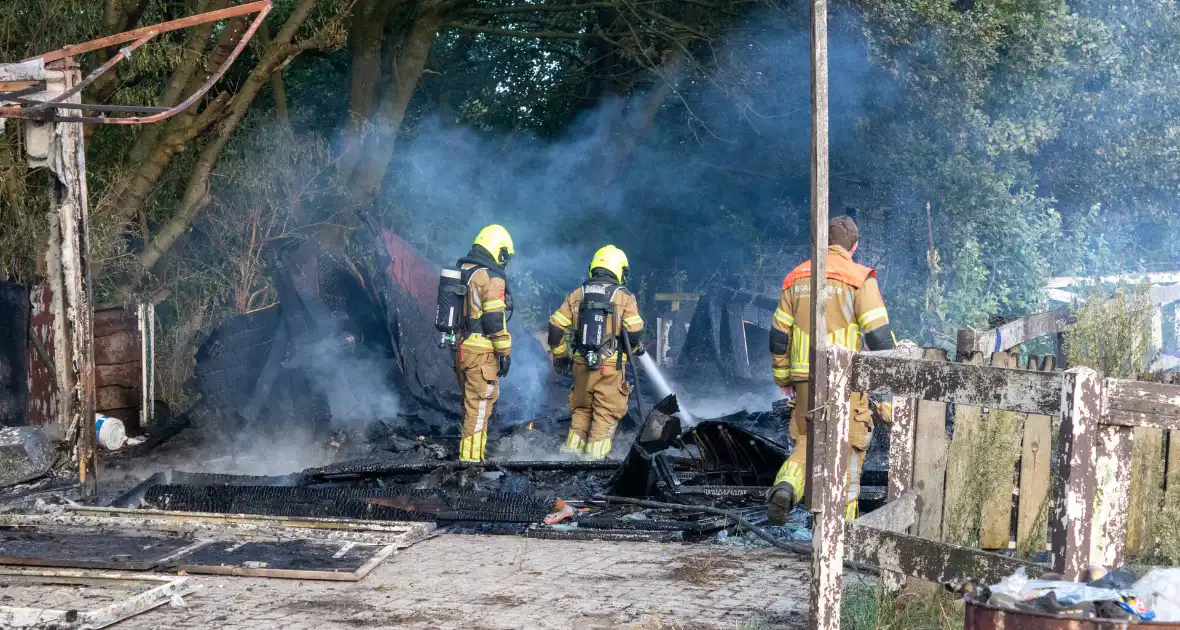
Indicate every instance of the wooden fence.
{"type": "Point", "coordinates": [1089, 487]}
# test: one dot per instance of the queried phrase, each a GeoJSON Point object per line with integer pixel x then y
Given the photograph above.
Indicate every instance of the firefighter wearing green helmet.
{"type": "Point", "coordinates": [485, 353]}
{"type": "Point", "coordinates": [594, 317]}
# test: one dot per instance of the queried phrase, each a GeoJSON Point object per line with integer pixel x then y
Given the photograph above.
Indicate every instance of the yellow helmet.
{"type": "Point", "coordinates": [612, 259]}
{"type": "Point", "coordinates": [496, 240]}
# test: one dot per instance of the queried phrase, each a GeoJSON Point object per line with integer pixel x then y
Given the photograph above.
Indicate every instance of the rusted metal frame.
{"type": "Point", "coordinates": [263, 9]}
{"type": "Point", "coordinates": [973, 385]}
{"type": "Point", "coordinates": [96, 108]}
{"type": "Point", "coordinates": [74, 50]}
{"type": "Point", "coordinates": [16, 95]}
{"type": "Point", "coordinates": [830, 464]}
{"type": "Point", "coordinates": [1070, 527]}
{"type": "Point", "coordinates": [930, 560]}
{"type": "Point", "coordinates": [1013, 333]}
{"type": "Point", "coordinates": [124, 53]}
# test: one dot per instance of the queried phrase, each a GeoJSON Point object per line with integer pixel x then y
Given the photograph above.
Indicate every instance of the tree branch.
{"type": "Point", "coordinates": [539, 8]}
{"type": "Point", "coordinates": [520, 34]}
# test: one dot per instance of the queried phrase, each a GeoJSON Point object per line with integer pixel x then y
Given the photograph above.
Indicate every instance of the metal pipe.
{"type": "Point", "coordinates": [634, 366]}
{"type": "Point", "coordinates": [124, 53]}
{"type": "Point", "coordinates": [263, 7]}
{"type": "Point", "coordinates": [111, 40]}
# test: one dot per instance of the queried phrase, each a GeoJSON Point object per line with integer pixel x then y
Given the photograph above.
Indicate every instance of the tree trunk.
{"type": "Point", "coordinates": [366, 36]}
{"type": "Point", "coordinates": [197, 189]}
{"type": "Point", "coordinates": [407, 63]}
{"type": "Point", "coordinates": [117, 16]}
{"type": "Point", "coordinates": [155, 145]}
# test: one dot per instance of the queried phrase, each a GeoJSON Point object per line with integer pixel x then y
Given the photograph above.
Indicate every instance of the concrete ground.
{"type": "Point", "coordinates": [492, 582]}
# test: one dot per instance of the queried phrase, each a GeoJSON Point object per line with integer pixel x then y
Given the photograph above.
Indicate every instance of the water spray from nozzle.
{"type": "Point", "coordinates": [663, 387]}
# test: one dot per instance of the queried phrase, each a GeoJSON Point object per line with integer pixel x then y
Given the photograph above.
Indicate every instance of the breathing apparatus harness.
{"type": "Point", "coordinates": [451, 317]}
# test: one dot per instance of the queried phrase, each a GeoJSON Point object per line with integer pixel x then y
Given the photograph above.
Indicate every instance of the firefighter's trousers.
{"type": "Point", "coordinates": [597, 401]}
{"type": "Point", "coordinates": [794, 470]}
{"type": "Point", "coordinates": [480, 384]}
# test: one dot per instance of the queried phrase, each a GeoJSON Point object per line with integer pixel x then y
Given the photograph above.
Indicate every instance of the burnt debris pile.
{"type": "Point", "coordinates": [721, 463]}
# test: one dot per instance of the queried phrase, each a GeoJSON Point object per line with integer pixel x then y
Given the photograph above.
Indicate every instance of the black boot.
{"type": "Point", "coordinates": [779, 501]}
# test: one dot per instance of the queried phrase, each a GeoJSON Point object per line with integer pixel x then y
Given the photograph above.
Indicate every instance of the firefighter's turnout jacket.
{"type": "Point", "coordinates": [855, 311]}
{"type": "Point", "coordinates": [598, 398]}
{"type": "Point", "coordinates": [476, 364]}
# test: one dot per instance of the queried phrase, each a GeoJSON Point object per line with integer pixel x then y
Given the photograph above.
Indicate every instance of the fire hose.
{"type": "Point", "coordinates": [803, 549]}
{"type": "Point", "coordinates": [635, 367]}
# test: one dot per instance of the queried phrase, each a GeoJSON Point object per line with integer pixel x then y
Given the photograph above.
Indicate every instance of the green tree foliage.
{"type": "Point", "coordinates": [1036, 138]}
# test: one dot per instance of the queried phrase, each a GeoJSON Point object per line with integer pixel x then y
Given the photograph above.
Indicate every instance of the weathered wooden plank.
{"type": "Point", "coordinates": [1032, 515]}
{"type": "Point", "coordinates": [1073, 501]}
{"type": "Point", "coordinates": [930, 560]}
{"type": "Point", "coordinates": [962, 384]}
{"type": "Point", "coordinates": [1013, 333]}
{"type": "Point", "coordinates": [930, 455]}
{"type": "Point", "coordinates": [1001, 434]}
{"type": "Point", "coordinates": [1146, 496]}
{"type": "Point", "coordinates": [119, 347]}
{"type": "Point", "coordinates": [959, 510]}
{"type": "Point", "coordinates": [830, 491]}
{"type": "Point", "coordinates": [1143, 398]}
{"type": "Point", "coordinates": [121, 374]}
{"type": "Point", "coordinates": [897, 515]}
{"type": "Point", "coordinates": [1112, 491]}
{"type": "Point", "coordinates": [901, 447]}
{"type": "Point", "coordinates": [1172, 470]}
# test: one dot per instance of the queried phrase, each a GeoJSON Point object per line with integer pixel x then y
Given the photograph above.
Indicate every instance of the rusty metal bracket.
{"type": "Point", "coordinates": [37, 110]}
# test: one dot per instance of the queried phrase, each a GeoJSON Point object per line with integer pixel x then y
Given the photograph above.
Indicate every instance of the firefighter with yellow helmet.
{"type": "Point", "coordinates": [479, 334]}
{"type": "Point", "coordinates": [597, 315]}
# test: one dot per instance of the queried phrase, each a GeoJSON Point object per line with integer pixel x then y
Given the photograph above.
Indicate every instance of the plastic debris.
{"type": "Point", "coordinates": [1159, 590]}
{"type": "Point", "coordinates": [1110, 595]}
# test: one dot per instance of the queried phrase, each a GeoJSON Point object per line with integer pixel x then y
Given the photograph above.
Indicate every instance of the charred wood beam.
{"type": "Point", "coordinates": [973, 385]}
{"type": "Point", "coordinates": [930, 560]}
{"type": "Point", "coordinates": [1013, 333]}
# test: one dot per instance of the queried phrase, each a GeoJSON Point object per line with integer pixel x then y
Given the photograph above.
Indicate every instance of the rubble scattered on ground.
{"type": "Point", "coordinates": [1110, 595]}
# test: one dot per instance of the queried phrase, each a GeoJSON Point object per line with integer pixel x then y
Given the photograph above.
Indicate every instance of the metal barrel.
{"type": "Point", "coordinates": [983, 617]}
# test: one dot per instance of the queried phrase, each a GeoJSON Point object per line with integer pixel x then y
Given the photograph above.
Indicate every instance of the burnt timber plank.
{"type": "Point", "coordinates": [1082, 399]}
{"type": "Point", "coordinates": [1032, 511]}
{"type": "Point", "coordinates": [930, 560]}
{"type": "Point", "coordinates": [1013, 333]}
{"type": "Point", "coordinates": [958, 510]}
{"type": "Point", "coordinates": [962, 384]}
{"type": "Point", "coordinates": [930, 461]}
{"type": "Point", "coordinates": [995, 522]}
{"type": "Point", "coordinates": [290, 559]}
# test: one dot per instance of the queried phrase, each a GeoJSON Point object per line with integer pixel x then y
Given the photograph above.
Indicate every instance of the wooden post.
{"type": "Point", "coordinates": [1082, 396]}
{"type": "Point", "coordinates": [1112, 493]}
{"type": "Point", "coordinates": [829, 424]}
{"type": "Point", "coordinates": [828, 429]}
{"type": "Point", "coordinates": [60, 148]}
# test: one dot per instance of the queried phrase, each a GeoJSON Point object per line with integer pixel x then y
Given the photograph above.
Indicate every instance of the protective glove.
{"type": "Point", "coordinates": [563, 365]}
{"type": "Point", "coordinates": [505, 363]}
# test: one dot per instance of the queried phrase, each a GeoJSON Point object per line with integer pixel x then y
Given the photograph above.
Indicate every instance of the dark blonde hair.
{"type": "Point", "coordinates": [842, 231]}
